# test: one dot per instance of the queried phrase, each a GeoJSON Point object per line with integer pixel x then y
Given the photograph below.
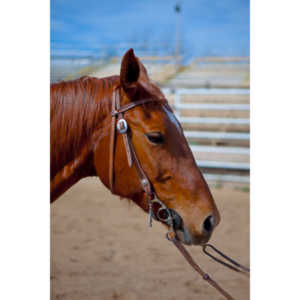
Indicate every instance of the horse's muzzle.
{"type": "Point", "coordinates": [190, 238]}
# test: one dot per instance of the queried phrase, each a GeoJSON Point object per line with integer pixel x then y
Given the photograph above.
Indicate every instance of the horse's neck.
{"type": "Point", "coordinates": [74, 120]}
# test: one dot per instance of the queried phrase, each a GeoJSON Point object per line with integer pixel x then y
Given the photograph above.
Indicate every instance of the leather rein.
{"type": "Point", "coordinates": [163, 213]}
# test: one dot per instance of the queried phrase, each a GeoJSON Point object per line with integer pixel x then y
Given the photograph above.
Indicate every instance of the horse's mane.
{"type": "Point", "coordinates": [77, 108]}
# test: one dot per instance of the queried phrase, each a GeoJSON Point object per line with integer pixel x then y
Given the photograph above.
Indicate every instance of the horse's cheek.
{"type": "Point", "coordinates": [101, 163]}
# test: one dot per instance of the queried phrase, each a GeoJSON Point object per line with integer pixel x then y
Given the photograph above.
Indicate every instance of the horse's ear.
{"type": "Point", "coordinates": [130, 72]}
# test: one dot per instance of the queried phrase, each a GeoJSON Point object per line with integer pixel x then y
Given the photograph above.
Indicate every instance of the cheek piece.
{"type": "Point", "coordinates": [118, 122]}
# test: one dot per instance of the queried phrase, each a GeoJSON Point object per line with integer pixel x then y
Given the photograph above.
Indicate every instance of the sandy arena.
{"type": "Point", "coordinates": [102, 248]}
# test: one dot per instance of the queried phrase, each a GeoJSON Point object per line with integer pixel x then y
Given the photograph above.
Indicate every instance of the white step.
{"type": "Point", "coordinates": [223, 165]}
{"type": "Point", "coordinates": [199, 120]}
{"type": "Point", "coordinates": [217, 135]}
{"type": "Point", "coordinates": [206, 91]}
{"type": "Point", "coordinates": [213, 149]}
{"type": "Point", "coordinates": [225, 177]}
{"type": "Point", "coordinates": [212, 106]}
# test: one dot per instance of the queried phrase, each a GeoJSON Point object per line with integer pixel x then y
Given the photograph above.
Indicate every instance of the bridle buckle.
{"type": "Point", "coordinates": [122, 126]}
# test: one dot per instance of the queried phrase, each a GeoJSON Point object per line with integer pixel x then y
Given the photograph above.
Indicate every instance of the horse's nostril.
{"type": "Point", "coordinates": [209, 224]}
{"type": "Point", "coordinates": [177, 221]}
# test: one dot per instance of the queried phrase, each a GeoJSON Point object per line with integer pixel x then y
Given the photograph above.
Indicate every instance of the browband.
{"type": "Point", "coordinates": [131, 105]}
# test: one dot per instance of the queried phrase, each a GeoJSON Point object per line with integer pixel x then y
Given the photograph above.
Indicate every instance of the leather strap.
{"type": "Point", "coordinates": [171, 237]}
{"type": "Point", "coordinates": [118, 114]}
{"type": "Point", "coordinates": [112, 145]}
{"type": "Point", "coordinates": [125, 136]}
{"type": "Point", "coordinates": [131, 105]}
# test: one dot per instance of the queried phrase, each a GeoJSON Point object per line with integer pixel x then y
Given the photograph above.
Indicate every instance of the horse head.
{"type": "Point", "coordinates": [164, 154]}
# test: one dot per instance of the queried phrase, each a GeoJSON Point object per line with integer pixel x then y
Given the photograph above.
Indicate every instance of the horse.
{"type": "Point", "coordinates": [122, 130]}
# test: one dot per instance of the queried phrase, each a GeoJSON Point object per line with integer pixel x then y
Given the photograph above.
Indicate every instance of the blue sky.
{"type": "Point", "coordinates": [208, 27]}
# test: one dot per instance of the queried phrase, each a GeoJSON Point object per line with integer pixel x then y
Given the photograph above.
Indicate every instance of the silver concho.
{"type": "Point", "coordinates": [163, 213]}
{"type": "Point", "coordinates": [122, 126]}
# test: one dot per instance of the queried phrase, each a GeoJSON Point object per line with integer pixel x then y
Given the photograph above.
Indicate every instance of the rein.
{"type": "Point", "coordinates": [163, 213]}
{"type": "Point", "coordinates": [234, 265]}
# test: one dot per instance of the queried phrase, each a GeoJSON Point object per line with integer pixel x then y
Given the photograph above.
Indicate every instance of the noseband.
{"type": "Point", "coordinates": [118, 122]}
{"type": "Point", "coordinates": [163, 213]}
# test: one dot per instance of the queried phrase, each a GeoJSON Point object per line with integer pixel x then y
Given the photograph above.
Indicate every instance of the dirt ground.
{"type": "Point", "coordinates": [102, 248]}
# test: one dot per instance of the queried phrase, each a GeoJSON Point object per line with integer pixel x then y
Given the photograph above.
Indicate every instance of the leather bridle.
{"type": "Point", "coordinates": [163, 213]}
{"type": "Point", "coordinates": [120, 124]}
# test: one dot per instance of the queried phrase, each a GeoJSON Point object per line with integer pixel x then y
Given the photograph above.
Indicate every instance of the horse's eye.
{"type": "Point", "coordinates": [155, 137]}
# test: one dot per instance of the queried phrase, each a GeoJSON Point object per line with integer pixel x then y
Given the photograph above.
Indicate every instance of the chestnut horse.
{"type": "Point", "coordinates": [81, 133]}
